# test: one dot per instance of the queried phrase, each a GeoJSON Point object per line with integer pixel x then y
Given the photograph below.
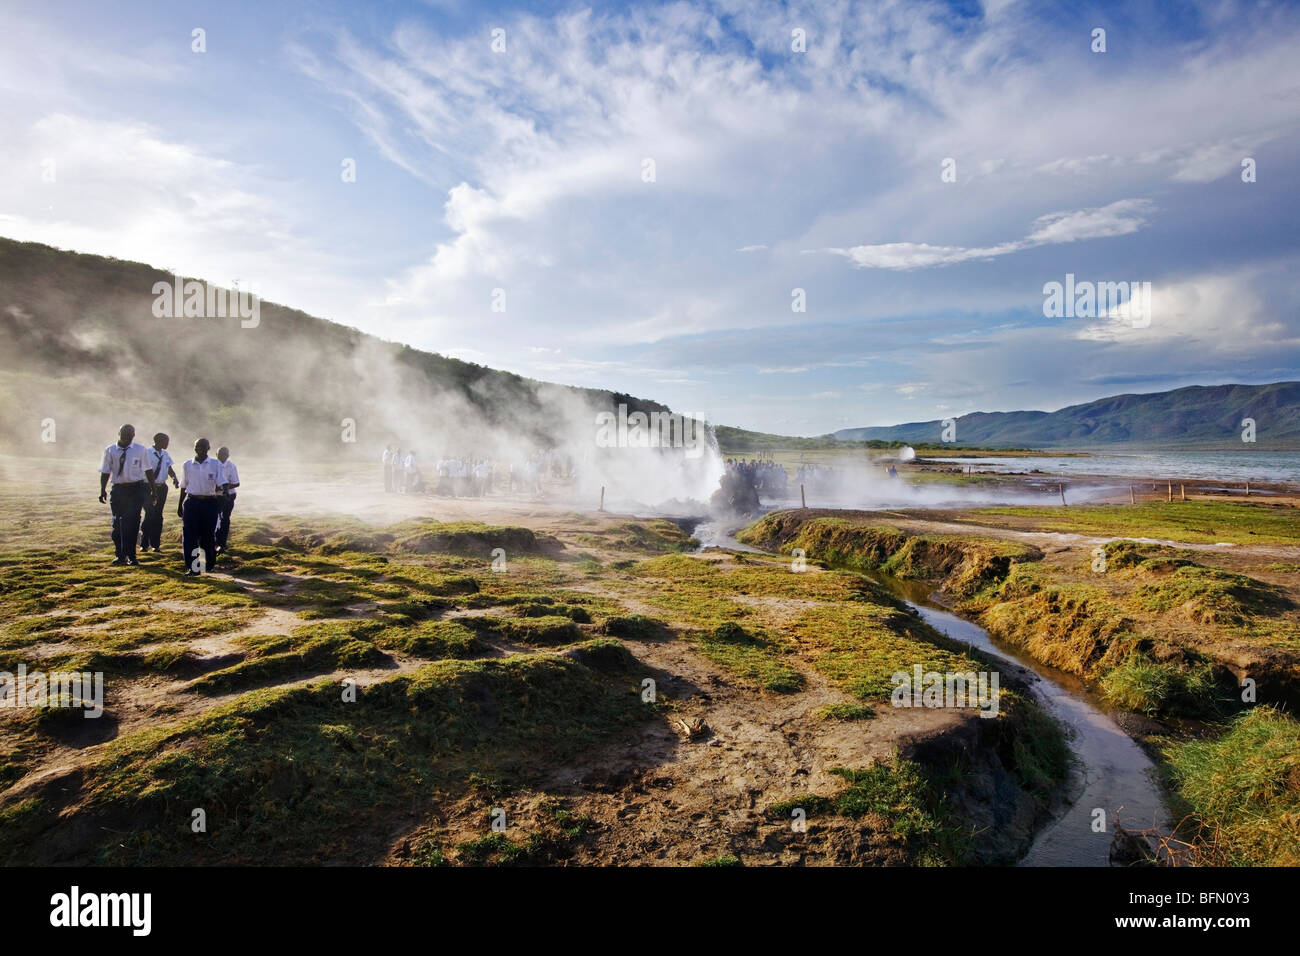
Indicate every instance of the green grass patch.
{"type": "Point", "coordinates": [549, 631]}
{"type": "Point", "coordinates": [1243, 789]}
{"type": "Point", "coordinates": [308, 650]}
{"type": "Point", "coordinates": [299, 776]}
{"type": "Point", "coordinates": [860, 646]}
{"type": "Point", "coordinates": [845, 712]}
{"type": "Point", "coordinates": [907, 801]}
{"type": "Point", "coordinates": [752, 657]}
{"type": "Point", "coordinates": [434, 640]}
{"type": "Point", "coordinates": [1164, 689]}
{"type": "Point", "coordinates": [1196, 522]}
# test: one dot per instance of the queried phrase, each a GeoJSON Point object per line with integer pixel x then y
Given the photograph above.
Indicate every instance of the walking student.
{"type": "Point", "coordinates": [160, 463]}
{"type": "Point", "coordinates": [388, 467]}
{"type": "Point", "coordinates": [126, 465]}
{"type": "Point", "coordinates": [229, 482]}
{"type": "Point", "coordinates": [199, 508]}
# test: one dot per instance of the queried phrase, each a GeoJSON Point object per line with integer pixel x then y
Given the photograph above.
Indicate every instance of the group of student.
{"type": "Point", "coordinates": [138, 479]}
{"type": "Point", "coordinates": [473, 477]}
{"type": "Point", "coordinates": [401, 472]}
{"type": "Point", "coordinates": [455, 477]}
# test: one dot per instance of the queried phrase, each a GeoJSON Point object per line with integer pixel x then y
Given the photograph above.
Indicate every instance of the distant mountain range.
{"type": "Point", "coordinates": [1200, 416]}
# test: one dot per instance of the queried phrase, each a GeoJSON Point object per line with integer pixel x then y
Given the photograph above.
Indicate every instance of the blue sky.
{"type": "Point", "coordinates": [774, 169]}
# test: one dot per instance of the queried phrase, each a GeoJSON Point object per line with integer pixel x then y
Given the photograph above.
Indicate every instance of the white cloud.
{"type": "Point", "coordinates": [124, 189]}
{"type": "Point", "coordinates": [1219, 314]}
{"type": "Point", "coordinates": [1116, 219]}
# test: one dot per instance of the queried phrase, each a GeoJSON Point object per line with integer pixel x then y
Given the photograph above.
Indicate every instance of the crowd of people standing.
{"type": "Point", "coordinates": [471, 476]}
{"type": "Point", "coordinates": [768, 478]}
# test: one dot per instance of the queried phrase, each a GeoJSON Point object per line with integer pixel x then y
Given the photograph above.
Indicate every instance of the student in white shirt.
{"type": "Point", "coordinates": [412, 473]}
{"type": "Point", "coordinates": [160, 463]}
{"type": "Point", "coordinates": [126, 465]}
{"type": "Point", "coordinates": [199, 508]}
{"type": "Point", "coordinates": [229, 482]}
{"type": "Point", "coordinates": [387, 459]}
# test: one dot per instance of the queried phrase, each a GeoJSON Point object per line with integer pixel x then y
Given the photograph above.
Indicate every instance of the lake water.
{"type": "Point", "coordinates": [1234, 466]}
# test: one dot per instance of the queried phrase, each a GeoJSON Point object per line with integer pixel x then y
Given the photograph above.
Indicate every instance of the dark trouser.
{"type": "Point", "coordinates": [388, 477]}
{"type": "Point", "coordinates": [151, 528]}
{"type": "Point", "coordinates": [223, 528]}
{"type": "Point", "coordinates": [126, 501]}
{"type": "Point", "coordinates": [199, 530]}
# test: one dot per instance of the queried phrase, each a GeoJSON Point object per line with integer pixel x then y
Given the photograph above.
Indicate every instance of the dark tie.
{"type": "Point", "coordinates": [121, 461]}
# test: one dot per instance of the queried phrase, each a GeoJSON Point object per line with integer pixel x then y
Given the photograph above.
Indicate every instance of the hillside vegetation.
{"type": "Point", "coordinates": [80, 344]}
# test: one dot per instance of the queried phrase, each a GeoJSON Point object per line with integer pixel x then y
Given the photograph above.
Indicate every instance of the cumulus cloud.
{"type": "Point", "coordinates": [125, 189]}
{"type": "Point", "coordinates": [1221, 314]}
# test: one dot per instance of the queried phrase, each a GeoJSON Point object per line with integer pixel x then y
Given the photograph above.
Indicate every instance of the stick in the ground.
{"type": "Point", "coordinates": [802, 500]}
{"type": "Point", "coordinates": [1131, 499]}
{"type": "Point", "coordinates": [602, 497]}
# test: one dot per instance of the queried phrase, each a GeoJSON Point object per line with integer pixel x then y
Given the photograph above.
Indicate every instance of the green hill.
{"type": "Point", "coordinates": [81, 345]}
{"type": "Point", "coordinates": [1199, 416]}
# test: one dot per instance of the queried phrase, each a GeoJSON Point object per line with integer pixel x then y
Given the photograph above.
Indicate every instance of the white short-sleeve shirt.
{"type": "Point", "coordinates": [159, 462]}
{"type": "Point", "coordinates": [229, 473]}
{"type": "Point", "coordinates": [124, 465]}
{"type": "Point", "coordinates": [201, 477]}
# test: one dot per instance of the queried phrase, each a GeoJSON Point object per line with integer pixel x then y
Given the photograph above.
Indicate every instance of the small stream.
{"type": "Point", "coordinates": [1113, 772]}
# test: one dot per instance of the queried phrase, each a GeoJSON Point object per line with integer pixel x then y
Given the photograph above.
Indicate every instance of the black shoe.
{"type": "Point", "coordinates": [119, 560]}
{"type": "Point", "coordinates": [133, 562]}
{"type": "Point", "coordinates": [191, 573]}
